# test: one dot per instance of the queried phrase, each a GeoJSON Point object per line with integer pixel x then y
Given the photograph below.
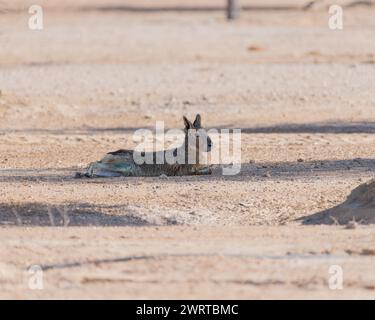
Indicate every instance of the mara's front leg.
{"type": "Point", "coordinates": [110, 167]}
{"type": "Point", "coordinates": [203, 171]}
{"type": "Point", "coordinates": [100, 170]}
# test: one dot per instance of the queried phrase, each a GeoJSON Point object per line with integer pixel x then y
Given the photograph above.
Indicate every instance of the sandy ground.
{"type": "Point", "coordinates": [301, 93]}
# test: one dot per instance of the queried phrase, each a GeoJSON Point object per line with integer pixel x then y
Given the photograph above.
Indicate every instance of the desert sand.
{"type": "Point", "coordinates": [302, 94]}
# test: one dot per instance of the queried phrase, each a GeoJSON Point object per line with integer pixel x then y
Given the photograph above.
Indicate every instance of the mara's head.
{"type": "Point", "coordinates": [196, 138]}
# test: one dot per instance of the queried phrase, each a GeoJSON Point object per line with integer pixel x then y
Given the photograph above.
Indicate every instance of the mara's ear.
{"type": "Point", "coordinates": [197, 122]}
{"type": "Point", "coordinates": [188, 124]}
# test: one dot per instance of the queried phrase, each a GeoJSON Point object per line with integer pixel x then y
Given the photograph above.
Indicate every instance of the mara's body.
{"type": "Point", "coordinates": [123, 163]}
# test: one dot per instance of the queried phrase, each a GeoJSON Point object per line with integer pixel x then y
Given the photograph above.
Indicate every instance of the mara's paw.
{"type": "Point", "coordinates": [204, 171]}
{"type": "Point", "coordinates": [80, 175]}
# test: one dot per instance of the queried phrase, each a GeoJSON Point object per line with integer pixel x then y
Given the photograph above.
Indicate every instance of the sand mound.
{"type": "Point", "coordinates": [359, 207]}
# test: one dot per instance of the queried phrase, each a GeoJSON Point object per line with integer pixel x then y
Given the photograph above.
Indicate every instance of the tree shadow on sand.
{"type": "Point", "coordinates": [308, 128]}
{"type": "Point", "coordinates": [248, 171]}
{"type": "Point", "coordinates": [325, 217]}
{"type": "Point", "coordinates": [311, 128]}
{"type": "Point", "coordinates": [84, 130]}
{"type": "Point", "coordinates": [209, 8]}
{"type": "Point", "coordinates": [297, 170]}
{"type": "Point", "coordinates": [75, 214]}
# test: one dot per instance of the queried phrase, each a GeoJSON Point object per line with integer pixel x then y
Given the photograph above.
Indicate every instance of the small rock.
{"type": "Point", "coordinates": [244, 205]}
{"type": "Point", "coordinates": [351, 225]}
{"type": "Point", "coordinates": [368, 252]}
{"type": "Point", "coordinates": [255, 48]}
{"type": "Point", "coordinates": [163, 176]}
{"type": "Point", "coordinates": [267, 175]}
{"type": "Point", "coordinates": [78, 175]}
{"type": "Point", "coordinates": [300, 160]}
